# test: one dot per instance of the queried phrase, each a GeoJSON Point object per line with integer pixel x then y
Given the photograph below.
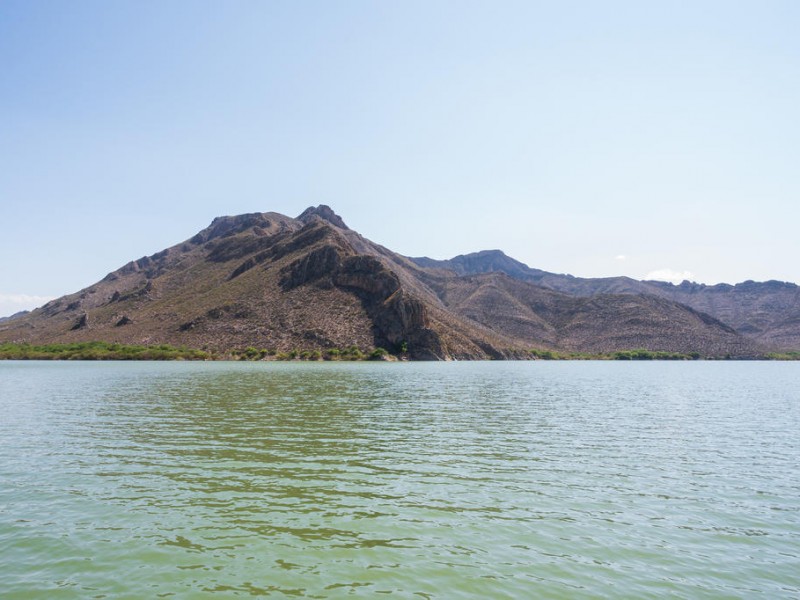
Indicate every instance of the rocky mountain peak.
{"type": "Point", "coordinates": [231, 225]}
{"type": "Point", "coordinates": [484, 261]}
{"type": "Point", "coordinates": [324, 212]}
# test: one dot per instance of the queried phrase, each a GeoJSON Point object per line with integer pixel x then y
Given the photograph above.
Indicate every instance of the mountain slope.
{"type": "Point", "coordinates": [601, 323]}
{"type": "Point", "coordinates": [271, 281]}
{"type": "Point", "coordinates": [262, 280]}
{"type": "Point", "coordinates": [767, 313]}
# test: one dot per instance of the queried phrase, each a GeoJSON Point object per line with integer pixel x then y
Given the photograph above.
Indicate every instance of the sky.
{"type": "Point", "coordinates": [649, 139]}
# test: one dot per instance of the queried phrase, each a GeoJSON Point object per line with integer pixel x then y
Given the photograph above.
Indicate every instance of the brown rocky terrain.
{"type": "Point", "coordinates": [765, 312]}
{"type": "Point", "coordinates": [308, 283]}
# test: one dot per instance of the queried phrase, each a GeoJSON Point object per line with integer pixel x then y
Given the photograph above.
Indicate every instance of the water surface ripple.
{"type": "Point", "coordinates": [462, 480]}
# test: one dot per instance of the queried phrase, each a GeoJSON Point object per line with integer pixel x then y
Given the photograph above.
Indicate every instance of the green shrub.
{"type": "Point", "coordinates": [251, 353]}
{"type": "Point", "coordinates": [99, 351]}
{"type": "Point", "coordinates": [378, 354]}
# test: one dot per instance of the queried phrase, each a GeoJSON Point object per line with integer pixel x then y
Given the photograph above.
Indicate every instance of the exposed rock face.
{"type": "Point", "coordinates": [322, 263]}
{"type": "Point", "coordinates": [270, 281]}
{"type": "Point", "coordinates": [368, 275]}
{"type": "Point", "coordinates": [81, 323]}
{"type": "Point", "coordinates": [323, 212]}
{"type": "Point", "coordinates": [397, 316]}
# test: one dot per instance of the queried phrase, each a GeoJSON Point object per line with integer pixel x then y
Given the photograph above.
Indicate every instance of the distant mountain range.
{"type": "Point", "coordinates": [767, 312]}
{"type": "Point", "coordinates": [14, 316]}
{"type": "Point", "coordinates": [270, 281]}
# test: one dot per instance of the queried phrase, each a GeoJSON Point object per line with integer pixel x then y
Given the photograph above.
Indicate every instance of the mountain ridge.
{"type": "Point", "coordinates": [271, 281]}
{"type": "Point", "coordinates": [768, 312]}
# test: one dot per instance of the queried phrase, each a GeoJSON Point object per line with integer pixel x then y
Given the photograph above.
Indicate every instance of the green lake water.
{"type": "Point", "coordinates": [418, 480]}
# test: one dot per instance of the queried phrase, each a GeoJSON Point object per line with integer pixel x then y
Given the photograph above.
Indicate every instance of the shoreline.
{"type": "Point", "coordinates": [93, 351]}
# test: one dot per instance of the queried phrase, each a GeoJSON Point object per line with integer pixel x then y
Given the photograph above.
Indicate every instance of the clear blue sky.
{"type": "Point", "coordinates": [594, 138]}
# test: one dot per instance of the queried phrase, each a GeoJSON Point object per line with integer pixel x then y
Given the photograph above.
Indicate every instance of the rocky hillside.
{"type": "Point", "coordinates": [766, 312]}
{"type": "Point", "coordinates": [311, 283]}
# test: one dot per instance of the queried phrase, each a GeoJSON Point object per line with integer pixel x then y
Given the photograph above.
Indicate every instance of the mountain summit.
{"type": "Point", "coordinates": [323, 212]}
{"type": "Point", "coordinates": [310, 283]}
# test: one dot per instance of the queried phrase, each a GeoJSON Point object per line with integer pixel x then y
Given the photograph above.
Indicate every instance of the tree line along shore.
{"type": "Point", "coordinates": [114, 351]}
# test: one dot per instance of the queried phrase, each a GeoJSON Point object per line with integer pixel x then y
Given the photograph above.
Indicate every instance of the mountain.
{"type": "Point", "coordinates": [16, 315]}
{"type": "Point", "coordinates": [766, 312]}
{"type": "Point", "coordinates": [310, 283]}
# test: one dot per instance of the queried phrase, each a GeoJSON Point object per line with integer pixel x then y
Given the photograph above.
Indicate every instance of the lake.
{"type": "Point", "coordinates": [404, 480]}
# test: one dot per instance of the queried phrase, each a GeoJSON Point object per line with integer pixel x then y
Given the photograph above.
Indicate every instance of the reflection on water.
{"type": "Point", "coordinates": [497, 480]}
